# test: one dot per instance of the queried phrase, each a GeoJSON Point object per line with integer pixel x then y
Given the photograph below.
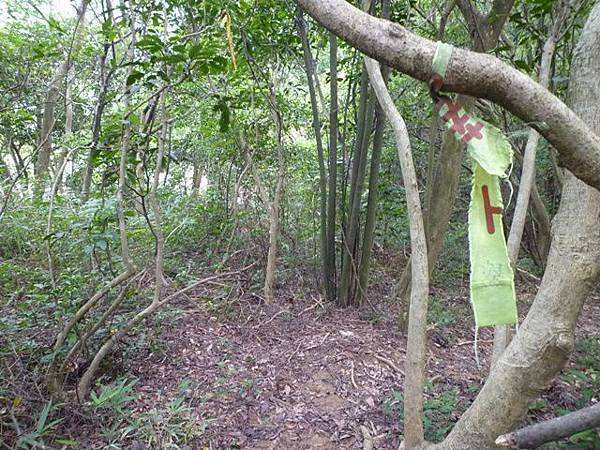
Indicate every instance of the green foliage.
{"type": "Point", "coordinates": [375, 317]}
{"type": "Point", "coordinates": [43, 428]}
{"type": "Point", "coordinates": [585, 375]}
{"type": "Point", "coordinates": [113, 397]}
{"type": "Point", "coordinates": [586, 381]}
{"type": "Point", "coordinates": [440, 415]}
{"type": "Point", "coordinates": [588, 352]}
{"type": "Point", "coordinates": [439, 313]}
{"type": "Point", "coordinates": [172, 427]}
{"type": "Point", "coordinates": [584, 440]}
{"type": "Point", "coordinates": [439, 409]}
{"type": "Point", "coordinates": [394, 407]}
{"type": "Point", "coordinates": [537, 405]}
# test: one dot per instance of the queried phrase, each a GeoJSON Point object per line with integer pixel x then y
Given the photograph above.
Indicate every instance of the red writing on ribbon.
{"type": "Point", "coordinates": [489, 210]}
{"type": "Point", "coordinates": [459, 123]}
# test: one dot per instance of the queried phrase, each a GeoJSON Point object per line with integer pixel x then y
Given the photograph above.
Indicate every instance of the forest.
{"type": "Point", "coordinates": [300, 224]}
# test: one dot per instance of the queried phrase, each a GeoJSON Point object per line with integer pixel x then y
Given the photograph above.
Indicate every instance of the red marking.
{"type": "Point", "coordinates": [459, 123]}
{"type": "Point", "coordinates": [473, 131]}
{"type": "Point", "coordinates": [489, 210]}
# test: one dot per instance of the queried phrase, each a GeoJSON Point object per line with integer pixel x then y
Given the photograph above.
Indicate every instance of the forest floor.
{"type": "Point", "coordinates": [301, 373]}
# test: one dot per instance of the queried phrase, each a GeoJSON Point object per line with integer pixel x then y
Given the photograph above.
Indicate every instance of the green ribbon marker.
{"type": "Point", "coordinates": [492, 279]}
{"type": "Point", "coordinates": [441, 58]}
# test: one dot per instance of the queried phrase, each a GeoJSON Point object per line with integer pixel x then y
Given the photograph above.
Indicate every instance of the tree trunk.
{"type": "Point", "coordinates": [105, 78]}
{"type": "Point", "coordinates": [16, 157]}
{"type": "Point", "coordinates": [273, 205]}
{"type": "Point", "coordinates": [196, 178]}
{"type": "Point", "coordinates": [373, 200]}
{"type": "Point", "coordinates": [4, 172]}
{"type": "Point", "coordinates": [274, 227]}
{"type": "Point", "coordinates": [155, 204]}
{"type": "Point", "coordinates": [316, 122]}
{"type": "Point", "coordinates": [43, 160]}
{"type": "Point", "coordinates": [541, 218]}
{"type": "Point", "coordinates": [502, 334]}
{"type": "Point", "coordinates": [363, 132]}
{"type": "Point", "coordinates": [546, 337]}
{"type": "Point", "coordinates": [269, 288]}
{"type": "Point", "coordinates": [333, 143]}
{"type": "Point", "coordinates": [277, 198]}
{"type": "Point", "coordinates": [437, 217]}
{"type": "Point", "coordinates": [60, 165]}
{"type": "Point", "coordinates": [416, 345]}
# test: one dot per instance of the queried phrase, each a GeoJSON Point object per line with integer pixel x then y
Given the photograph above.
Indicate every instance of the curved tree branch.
{"type": "Point", "coordinates": [469, 73]}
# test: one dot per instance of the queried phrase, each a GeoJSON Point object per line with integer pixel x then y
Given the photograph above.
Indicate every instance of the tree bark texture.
{"type": "Point", "coordinates": [373, 199]}
{"type": "Point", "coordinates": [351, 233]}
{"type": "Point", "coordinates": [333, 144]}
{"type": "Point", "coordinates": [316, 122]}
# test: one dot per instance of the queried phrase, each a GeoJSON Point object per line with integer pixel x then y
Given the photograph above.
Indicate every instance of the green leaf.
{"type": "Point", "coordinates": [197, 51]}
{"type": "Point", "coordinates": [173, 59]}
{"type": "Point", "coordinates": [30, 440]}
{"type": "Point", "coordinates": [521, 64]}
{"type": "Point", "coordinates": [108, 30]}
{"type": "Point", "coordinates": [70, 442]}
{"type": "Point", "coordinates": [133, 77]}
{"type": "Point", "coordinates": [56, 25]}
{"type": "Point", "coordinates": [150, 43]}
{"type": "Point", "coordinates": [224, 117]}
{"type": "Point", "coordinates": [41, 422]}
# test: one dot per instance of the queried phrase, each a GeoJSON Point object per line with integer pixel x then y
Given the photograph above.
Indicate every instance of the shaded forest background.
{"type": "Point", "coordinates": [204, 236]}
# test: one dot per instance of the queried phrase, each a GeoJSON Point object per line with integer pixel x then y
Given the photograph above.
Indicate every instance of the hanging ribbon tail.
{"type": "Point", "coordinates": [492, 280]}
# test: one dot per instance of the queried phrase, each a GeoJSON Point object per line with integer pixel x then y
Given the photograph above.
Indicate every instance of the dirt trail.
{"type": "Point", "coordinates": [299, 376]}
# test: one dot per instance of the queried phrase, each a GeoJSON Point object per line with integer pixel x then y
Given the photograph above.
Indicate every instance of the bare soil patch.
{"type": "Point", "coordinates": [304, 375]}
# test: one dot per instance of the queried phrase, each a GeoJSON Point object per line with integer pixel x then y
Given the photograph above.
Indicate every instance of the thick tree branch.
{"type": "Point", "coordinates": [552, 430]}
{"type": "Point", "coordinates": [469, 73]}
